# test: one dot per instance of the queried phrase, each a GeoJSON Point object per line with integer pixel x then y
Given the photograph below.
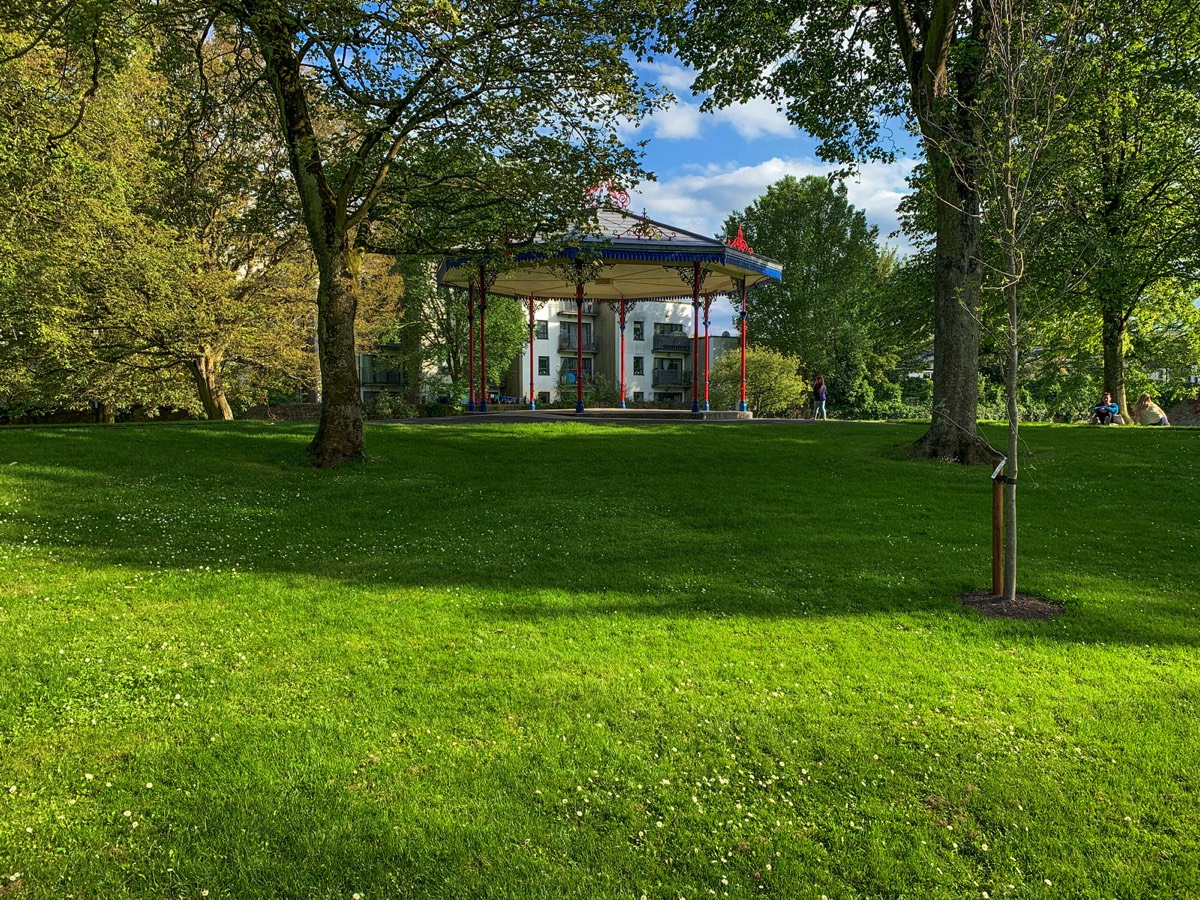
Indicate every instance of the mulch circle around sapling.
{"type": "Point", "coordinates": [1023, 607]}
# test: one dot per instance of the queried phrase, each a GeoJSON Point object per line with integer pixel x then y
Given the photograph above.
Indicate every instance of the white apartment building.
{"type": "Point", "coordinates": [658, 352]}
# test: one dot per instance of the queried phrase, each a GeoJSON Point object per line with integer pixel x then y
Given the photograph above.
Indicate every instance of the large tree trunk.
{"type": "Point", "coordinates": [944, 98]}
{"type": "Point", "coordinates": [1113, 338]}
{"type": "Point", "coordinates": [957, 276]}
{"type": "Point", "coordinates": [206, 374]}
{"type": "Point", "coordinates": [339, 437]}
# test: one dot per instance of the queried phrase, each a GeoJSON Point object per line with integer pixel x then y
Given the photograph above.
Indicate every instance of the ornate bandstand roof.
{"type": "Point", "coordinates": [625, 256]}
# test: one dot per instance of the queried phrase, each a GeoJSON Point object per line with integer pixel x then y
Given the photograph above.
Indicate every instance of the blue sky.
{"type": "Point", "coordinates": [708, 164]}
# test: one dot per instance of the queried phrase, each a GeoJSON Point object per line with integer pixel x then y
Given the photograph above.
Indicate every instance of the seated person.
{"type": "Point", "coordinates": [1104, 411]}
{"type": "Point", "coordinates": [1148, 413]}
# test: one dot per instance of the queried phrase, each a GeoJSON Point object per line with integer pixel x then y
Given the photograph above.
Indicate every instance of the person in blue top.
{"type": "Point", "coordinates": [819, 395]}
{"type": "Point", "coordinates": [1104, 411]}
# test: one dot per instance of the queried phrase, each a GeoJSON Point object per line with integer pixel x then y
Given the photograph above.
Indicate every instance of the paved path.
{"type": "Point", "coordinates": [597, 416]}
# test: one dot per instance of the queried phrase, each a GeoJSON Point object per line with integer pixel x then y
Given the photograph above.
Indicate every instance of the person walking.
{"type": "Point", "coordinates": [820, 395]}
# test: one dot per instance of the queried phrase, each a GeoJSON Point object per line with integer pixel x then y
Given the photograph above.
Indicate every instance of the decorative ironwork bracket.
{"type": "Point", "coordinates": [687, 275]}
{"type": "Point", "coordinates": [644, 229]}
{"type": "Point", "coordinates": [580, 271]}
{"type": "Point", "coordinates": [615, 305]}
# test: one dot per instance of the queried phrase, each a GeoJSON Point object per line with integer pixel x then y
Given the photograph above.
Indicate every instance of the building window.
{"type": "Point", "coordinates": [568, 364]}
{"type": "Point", "coordinates": [543, 396]}
{"type": "Point", "coordinates": [542, 332]}
{"type": "Point", "coordinates": [566, 336]}
{"type": "Point", "coordinates": [567, 374]}
{"type": "Point", "coordinates": [668, 327]}
{"type": "Point", "coordinates": [639, 396]}
{"type": "Point", "coordinates": [639, 331]}
{"type": "Point", "coordinates": [639, 365]}
{"type": "Point", "coordinates": [543, 365]}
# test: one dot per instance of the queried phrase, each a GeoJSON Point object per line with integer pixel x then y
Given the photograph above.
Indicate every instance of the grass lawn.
{"type": "Point", "coordinates": [578, 660]}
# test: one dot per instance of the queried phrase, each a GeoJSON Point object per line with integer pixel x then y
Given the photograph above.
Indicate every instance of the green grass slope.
{"type": "Point", "coordinates": [573, 660]}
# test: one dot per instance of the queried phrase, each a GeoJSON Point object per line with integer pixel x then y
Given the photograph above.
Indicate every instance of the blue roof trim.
{"type": "Point", "coordinates": [671, 256]}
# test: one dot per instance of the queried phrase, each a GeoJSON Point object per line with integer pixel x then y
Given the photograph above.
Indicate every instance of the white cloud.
{"type": "Point", "coordinates": [683, 120]}
{"type": "Point", "coordinates": [700, 200]}
{"type": "Point", "coordinates": [679, 121]}
{"type": "Point", "coordinates": [676, 78]}
{"type": "Point", "coordinates": [756, 118]}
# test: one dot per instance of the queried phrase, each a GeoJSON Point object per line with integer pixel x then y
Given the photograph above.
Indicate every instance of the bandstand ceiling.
{"type": "Point", "coordinates": [629, 256]}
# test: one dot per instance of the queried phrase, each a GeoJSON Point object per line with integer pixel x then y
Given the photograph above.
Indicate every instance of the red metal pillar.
{"type": "Point", "coordinates": [707, 349]}
{"type": "Point", "coordinates": [622, 353]}
{"type": "Point", "coordinates": [743, 345]}
{"type": "Point", "coordinates": [578, 337]}
{"type": "Point", "coordinates": [695, 337]}
{"type": "Point", "coordinates": [532, 326]}
{"type": "Point", "coordinates": [471, 347]}
{"type": "Point", "coordinates": [483, 388]}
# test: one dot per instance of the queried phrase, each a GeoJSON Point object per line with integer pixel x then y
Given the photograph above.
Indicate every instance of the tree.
{"type": "Point", "coordinates": [843, 71]}
{"type": "Point", "coordinates": [434, 330]}
{"type": "Point", "coordinates": [69, 189]}
{"type": "Point", "coordinates": [405, 124]}
{"type": "Point", "coordinates": [222, 190]}
{"type": "Point", "coordinates": [1133, 198]}
{"type": "Point", "coordinates": [1037, 52]}
{"type": "Point", "coordinates": [773, 382]}
{"type": "Point", "coordinates": [145, 247]}
{"type": "Point", "coordinates": [830, 269]}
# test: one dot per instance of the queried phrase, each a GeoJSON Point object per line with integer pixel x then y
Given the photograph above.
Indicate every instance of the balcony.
{"type": "Point", "coordinates": [570, 342]}
{"type": "Point", "coordinates": [671, 378]}
{"type": "Point", "coordinates": [674, 342]}
{"type": "Point", "coordinates": [590, 308]}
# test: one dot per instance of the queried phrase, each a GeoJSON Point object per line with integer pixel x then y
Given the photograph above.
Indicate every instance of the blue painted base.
{"type": "Point", "coordinates": [483, 406]}
{"type": "Point", "coordinates": [622, 404]}
{"type": "Point", "coordinates": [743, 405]}
{"type": "Point", "coordinates": [470, 406]}
{"type": "Point", "coordinates": [579, 406]}
{"type": "Point", "coordinates": [707, 408]}
{"type": "Point", "coordinates": [695, 406]}
{"type": "Point", "coordinates": [532, 405]}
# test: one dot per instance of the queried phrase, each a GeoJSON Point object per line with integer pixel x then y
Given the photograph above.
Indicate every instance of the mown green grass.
{"type": "Point", "coordinates": [592, 661]}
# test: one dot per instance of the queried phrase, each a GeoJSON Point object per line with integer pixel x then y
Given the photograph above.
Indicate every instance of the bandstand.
{"type": "Point", "coordinates": [626, 260]}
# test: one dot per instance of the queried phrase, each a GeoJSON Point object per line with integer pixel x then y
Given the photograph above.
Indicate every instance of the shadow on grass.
{"type": "Point", "coordinates": [719, 521]}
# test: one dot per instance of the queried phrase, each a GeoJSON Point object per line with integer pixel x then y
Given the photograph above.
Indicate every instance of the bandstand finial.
{"type": "Point", "coordinates": [739, 242]}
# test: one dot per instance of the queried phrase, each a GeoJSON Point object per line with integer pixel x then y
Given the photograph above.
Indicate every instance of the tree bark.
{"type": "Point", "coordinates": [206, 374]}
{"type": "Point", "coordinates": [1011, 467]}
{"type": "Point", "coordinates": [339, 437]}
{"type": "Point", "coordinates": [1113, 340]}
{"type": "Point", "coordinates": [944, 97]}
{"type": "Point", "coordinates": [957, 278]}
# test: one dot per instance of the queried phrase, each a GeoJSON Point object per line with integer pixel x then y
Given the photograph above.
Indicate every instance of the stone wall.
{"type": "Point", "coordinates": [287, 412]}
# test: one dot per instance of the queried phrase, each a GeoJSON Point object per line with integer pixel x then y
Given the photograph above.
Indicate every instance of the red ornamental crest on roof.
{"type": "Point", "coordinates": [739, 242]}
{"type": "Point", "coordinates": [607, 195]}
